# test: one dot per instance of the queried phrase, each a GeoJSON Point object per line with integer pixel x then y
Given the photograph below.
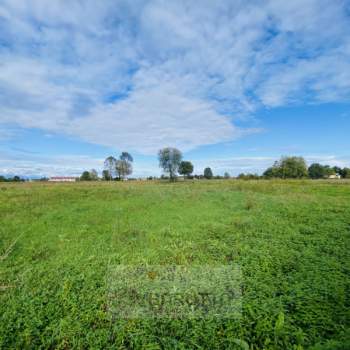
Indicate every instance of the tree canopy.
{"type": "Point", "coordinates": [85, 176]}
{"type": "Point", "coordinates": [170, 159]}
{"type": "Point", "coordinates": [288, 168]}
{"type": "Point", "coordinates": [123, 168]}
{"type": "Point", "coordinates": [89, 175]}
{"type": "Point", "coordinates": [110, 166]}
{"type": "Point", "coordinates": [186, 168]}
{"type": "Point", "coordinates": [123, 165]}
{"type": "Point", "coordinates": [208, 174]}
{"type": "Point", "coordinates": [346, 173]}
{"type": "Point", "coordinates": [318, 171]}
{"type": "Point", "coordinates": [126, 156]}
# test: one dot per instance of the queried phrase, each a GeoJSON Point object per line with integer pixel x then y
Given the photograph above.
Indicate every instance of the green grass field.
{"type": "Point", "coordinates": [290, 239]}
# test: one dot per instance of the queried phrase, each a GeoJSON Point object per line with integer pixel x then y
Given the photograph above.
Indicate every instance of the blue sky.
{"type": "Point", "coordinates": [233, 84]}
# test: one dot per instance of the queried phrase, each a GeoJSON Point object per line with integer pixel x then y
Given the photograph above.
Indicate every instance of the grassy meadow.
{"type": "Point", "coordinates": [290, 239]}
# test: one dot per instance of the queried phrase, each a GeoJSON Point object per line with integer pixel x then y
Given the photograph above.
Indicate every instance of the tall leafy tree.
{"type": "Point", "coordinates": [273, 172]}
{"type": "Point", "coordinates": [123, 168]}
{"type": "Point", "coordinates": [85, 176]}
{"type": "Point", "coordinates": [170, 159]}
{"type": "Point", "coordinates": [123, 165]}
{"type": "Point", "coordinates": [208, 174]}
{"type": "Point", "coordinates": [105, 175]}
{"type": "Point", "coordinates": [186, 168]}
{"type": "Point", "coordinates": [293, 167]}
{"type": "Point", "coordinates": [110, 165]}
{"type": "Point", "coordinates": [346, 173]}
{"type": "Point", "coordinates": [288, 168]}
{"type": "Point", "coordinates": [317, 171]}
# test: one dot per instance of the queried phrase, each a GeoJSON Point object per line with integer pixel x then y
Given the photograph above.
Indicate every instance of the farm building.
{"type": "Point", "coordinates": [334, 176]}
{"type": "Point", "coordinates": [62, 179]}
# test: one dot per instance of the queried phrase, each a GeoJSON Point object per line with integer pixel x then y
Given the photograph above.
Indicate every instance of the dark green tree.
{"type": "Point", "coordinates": [346, 173]}
{"type": "Point", "coordinates": [208, 174]}
{"type": "Point", "coordinates": [317, 171]}
{"type": "Point", "coordinates": [273, 172]}
{"type": "Point", "coordinates": [248, 176]}
{"type": "Point", "coordinates": [186, 168]}
{"type": "Point", "coordinates": [288, 168]}
{"type": "Point", "coordinates": [106, 175]}
{"type": "Point", "coordinates": [269, 173]}
{"type": "Point", "coordinates": [85, 176]}
{"type": "Point", "coordinates": [293, 167]}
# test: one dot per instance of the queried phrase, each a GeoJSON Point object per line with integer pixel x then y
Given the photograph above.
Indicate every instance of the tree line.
{"type": "Point", "coordinates": [171, 161]}
{"type": "Point", "coordinates": [114, 169]}
{"type": "Point", "coordinates": [296, 168]}
{"type": "Point", "coordinates": [11, 179]}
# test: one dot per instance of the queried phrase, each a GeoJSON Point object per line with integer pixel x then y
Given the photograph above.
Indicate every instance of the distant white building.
{"type": "Point", "coordinates": [62, 179]}
{"type": "Point", "coordinates": [334, 176]}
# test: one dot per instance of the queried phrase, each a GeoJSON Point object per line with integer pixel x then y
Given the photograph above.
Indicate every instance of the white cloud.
{"type": "Point", "coordinates": [234, 165]}
{"type": "Point", "coordinates": [332, 160]}
{"type": "Point", "coordinates": [153, 117]}
{"type": "Point", "coordinates": [6, 134]}
{"type": "Point", "coordinates": [144, 74]}
{"type": "Point", "coordinates": [36, 165]}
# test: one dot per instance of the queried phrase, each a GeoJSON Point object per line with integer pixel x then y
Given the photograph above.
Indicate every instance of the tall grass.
{"type": "Point", "coordinates": [290, 238]}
